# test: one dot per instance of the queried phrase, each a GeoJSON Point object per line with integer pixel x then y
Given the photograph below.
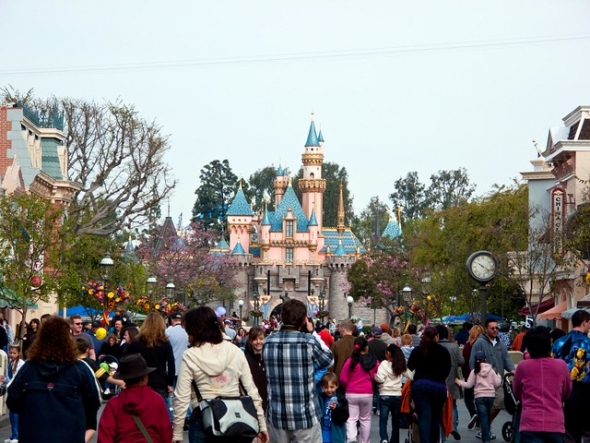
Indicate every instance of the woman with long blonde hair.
{"type": "Point", "coordinates": [474, 333]}
{"type": "Point", "coordinates": [154, 347]}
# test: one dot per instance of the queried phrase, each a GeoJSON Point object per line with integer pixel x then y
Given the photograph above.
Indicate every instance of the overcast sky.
{"type": "Point", "coordinates": [396, 86]}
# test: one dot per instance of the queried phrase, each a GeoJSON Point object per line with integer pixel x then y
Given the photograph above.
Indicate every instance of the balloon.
{"type": "Point", "coordinates": [101, 333]}
{"type": "Point", "coordinates": [36, 281]}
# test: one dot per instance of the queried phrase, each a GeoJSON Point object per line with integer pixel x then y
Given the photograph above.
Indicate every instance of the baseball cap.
{"type": "Point", "coordinates": [376, 331]}
{"type": "Point", "coordinates": [384, 327]}
{"type": "Point", "coordinates": [220, 311]}
{"type": "Point", "coordinates": [176, 316]}
{"type": "Point", "coordinates": [96, 324]}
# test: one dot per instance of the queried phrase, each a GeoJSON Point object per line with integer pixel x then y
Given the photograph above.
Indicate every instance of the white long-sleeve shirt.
{"type": "Point", "coordinates": [389, 383]}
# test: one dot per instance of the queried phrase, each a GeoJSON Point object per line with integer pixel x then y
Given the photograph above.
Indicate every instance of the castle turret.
{"type": "Point", "coordinates": [280, 184]}
{"type": "Point", "coordinates": [312, 185]}
{"type": "Point", "coordinates": [239, 220]}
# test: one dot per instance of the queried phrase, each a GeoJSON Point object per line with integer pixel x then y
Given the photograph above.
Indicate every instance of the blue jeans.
{"type": "Point", "coordinates": [541, 437]}
{"type": "Point", "coordinates": [484, 407]}
{"type": "Point", "coordinates": [389, 404]}
{"type": "Point", "coordinates": [429, 399]}
{"type": "Point", "coordinates": [13, 416]}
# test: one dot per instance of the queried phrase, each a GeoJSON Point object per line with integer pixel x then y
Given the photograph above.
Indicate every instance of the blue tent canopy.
{"type": "Point", "coordinates": [467, 317]}
{"type": "Point", "coordinates": [81, 310]}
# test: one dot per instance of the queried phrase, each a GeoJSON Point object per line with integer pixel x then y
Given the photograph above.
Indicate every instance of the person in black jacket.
{"type": "Point", "coordinates": [153, 345]}
{"type": "Point", "coordinates": [432, 364]}
{"type": "Point", "coordinates": [253, 352]}
{"type": "Point", "coordinates": [60, 388]}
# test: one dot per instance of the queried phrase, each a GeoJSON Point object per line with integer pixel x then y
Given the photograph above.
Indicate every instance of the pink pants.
{"type": "Point", "coordinates": [360, 408]}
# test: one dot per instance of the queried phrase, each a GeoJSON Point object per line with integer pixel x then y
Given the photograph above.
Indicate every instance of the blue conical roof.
{"type": "Point", "coordinates": [320, 137]}
{"type": "Point", "coordinates": [238, 249]}
{"type": "Point", "coordinates": [340, 251]}
{"type": "Point", "coordinates": [289, 201]}
{"type": "Point", "coordinates": [265, 217]}
{"type": "Point", "coordinates": [129, 253]}
{"type": "Point", "coordinates": [222, 244]}
{"type": "Point", "coordinates": [312, 137]}
{"type": "Point", "coordinates": [392, 230]}
{"type": "Point", "coordinates": [313, 221]}
{"type": "Point", "coordinates": [280, 171]}
{"type": "Point", "coordinates": [239, 205]}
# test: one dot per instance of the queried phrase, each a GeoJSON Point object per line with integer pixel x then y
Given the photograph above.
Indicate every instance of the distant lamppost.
{"type": "Point", "coordinates": [151, 284]}
{"type": "Point", "coordinates": [170, 287]}
{"type": "Point", "coordinates": [349, 300]}
{"type": "Point", "coordinates": [407, 294]}
{"type": "Point", "coordinates": [256, 304]}
{"type": "Point", "coordinates": [106, 268]}
{"type": "Point", "coordinates": [241, 305]}
{"type": "Point", "coordinates": [322, 299]}
{"type": "Point", "coordinates": [453, 299]}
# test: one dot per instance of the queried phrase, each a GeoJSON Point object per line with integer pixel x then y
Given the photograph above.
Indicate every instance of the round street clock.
{"type": "Point", "coordinates": [482, 266]}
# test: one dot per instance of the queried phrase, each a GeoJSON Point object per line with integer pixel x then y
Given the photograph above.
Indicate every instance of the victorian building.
{"type": "Point", "coordinates": [557, 188]}
{"type": "Point", "coordinates": [33, 158]}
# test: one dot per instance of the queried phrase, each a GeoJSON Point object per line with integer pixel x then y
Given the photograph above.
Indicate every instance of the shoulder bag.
{"type": "Point", "coordinates": [228, 416]}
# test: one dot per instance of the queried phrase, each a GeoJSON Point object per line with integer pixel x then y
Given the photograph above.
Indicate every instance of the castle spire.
{"type": "Point", "coordinates": [312, 137]}
{"type": "Point", "coordinates": [340, 226]}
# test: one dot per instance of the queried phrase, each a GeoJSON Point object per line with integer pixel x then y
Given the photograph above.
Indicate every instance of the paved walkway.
{"type": "Point", "coordinates": [467, 436]}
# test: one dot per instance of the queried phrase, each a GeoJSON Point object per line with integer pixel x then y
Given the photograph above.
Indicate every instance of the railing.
{"type": "Point", "coordinates": [45, 119]}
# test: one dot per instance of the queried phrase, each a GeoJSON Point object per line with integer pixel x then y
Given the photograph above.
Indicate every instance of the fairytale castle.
{"type": "Point", "coordinates": [288, 252]}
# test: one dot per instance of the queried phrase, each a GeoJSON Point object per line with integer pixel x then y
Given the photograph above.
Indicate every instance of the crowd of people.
{"type": "Point", "coordinates": [309, 382]}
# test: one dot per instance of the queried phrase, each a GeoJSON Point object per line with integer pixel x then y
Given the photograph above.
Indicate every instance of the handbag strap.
{"type": "Point", "coordinates": [200, 398]}
{"type": "Point", "coordinates": [142, 428]}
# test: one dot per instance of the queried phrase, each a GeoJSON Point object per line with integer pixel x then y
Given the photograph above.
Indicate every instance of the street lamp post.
{"type": "Point", "coordinates": [322, 298]}
{"type": "Point", "coordinates": [241, 305]}
{"type": "Point", "coordinates": [106, 267]}
{"type": "Point", "coordinates": [349, 300]}
{"type": "Point", "coordinates": [151, 284]}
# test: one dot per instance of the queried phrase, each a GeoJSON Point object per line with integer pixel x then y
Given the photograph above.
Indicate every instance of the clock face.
{"type": "Point", "coordinates": [482, 267]}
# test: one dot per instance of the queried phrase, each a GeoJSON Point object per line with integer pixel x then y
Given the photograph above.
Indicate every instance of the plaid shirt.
{"type": "Point", "coordinates": [289, 357]}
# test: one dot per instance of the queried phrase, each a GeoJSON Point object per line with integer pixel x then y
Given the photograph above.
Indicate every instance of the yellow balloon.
{"type": "Point", "coordinates": [101, 333]}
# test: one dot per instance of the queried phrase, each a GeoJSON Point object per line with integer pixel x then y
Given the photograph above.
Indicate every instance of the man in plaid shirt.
{"type": "Point", "coordinates": [291, 357]}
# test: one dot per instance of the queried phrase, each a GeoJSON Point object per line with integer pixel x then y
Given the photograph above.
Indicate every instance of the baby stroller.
{"type": "Point", "coordinates": [510, 432]}
{"type": "Point", "coordinates": [113, 364]}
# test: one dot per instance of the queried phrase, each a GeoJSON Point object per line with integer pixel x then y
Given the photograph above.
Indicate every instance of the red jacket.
{"type": "Point", "coordinates": [117, 425]}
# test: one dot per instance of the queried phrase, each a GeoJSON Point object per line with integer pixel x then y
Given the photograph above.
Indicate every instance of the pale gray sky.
{"type": "Point", "coordinates": [396, 86]}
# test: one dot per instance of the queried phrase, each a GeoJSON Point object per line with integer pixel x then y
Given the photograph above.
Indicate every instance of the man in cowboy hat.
{"type": "Point", "coordinates": [137, 410]}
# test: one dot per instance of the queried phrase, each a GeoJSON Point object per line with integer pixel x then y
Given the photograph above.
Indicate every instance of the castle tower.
{"type": "Point", "coordinates": [312, 185]}
{"type": "Point", "coordinates": [239, 221]}
{"type": "Point", "coordinates": [280, 184]}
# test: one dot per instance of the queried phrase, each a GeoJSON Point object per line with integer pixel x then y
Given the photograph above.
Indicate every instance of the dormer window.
{"type": "Point", "coordinates": [289, 228]}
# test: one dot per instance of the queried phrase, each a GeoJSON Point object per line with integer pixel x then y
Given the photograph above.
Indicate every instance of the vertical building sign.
{"type": "Point", "coordinates": [557, 219]}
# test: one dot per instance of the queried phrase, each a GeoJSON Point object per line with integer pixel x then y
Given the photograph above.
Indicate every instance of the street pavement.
{"type": "Point", "coordinates": [467, 436]}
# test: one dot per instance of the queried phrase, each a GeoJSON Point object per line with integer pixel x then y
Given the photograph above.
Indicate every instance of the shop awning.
{"type": "Point", "coordinates": [584, 302]}
{"type": "Point", "coordinates": [554, 313]}
{"type": "Point", "coordinates": [544, 306]}
{"type": "Point", "coordinates": [568, 313]}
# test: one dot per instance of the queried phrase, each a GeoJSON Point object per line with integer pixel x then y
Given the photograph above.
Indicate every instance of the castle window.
{"type": "Point", "coordinates": [289, 228]}
{"type": "Point", "coordinates": [289, 255]}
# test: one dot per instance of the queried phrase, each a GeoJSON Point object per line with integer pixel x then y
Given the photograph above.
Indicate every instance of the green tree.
{"type": "Point", "coordinates": [335, 175]}
{"type": "Point", "coordinates": [261, 188]}
{"type": "Point", "coordinates": [29, 251]}
{"type": "Point", "coordinates": [371, 222]}
{"type": "Point", "coordinates": [214, 195]}
{"type": "Point", "coordinates": [410, 194]}
{"type": "Point", "coordinates": [449, 188]}
{"type": "Point", "coordinates": [440, 244]}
